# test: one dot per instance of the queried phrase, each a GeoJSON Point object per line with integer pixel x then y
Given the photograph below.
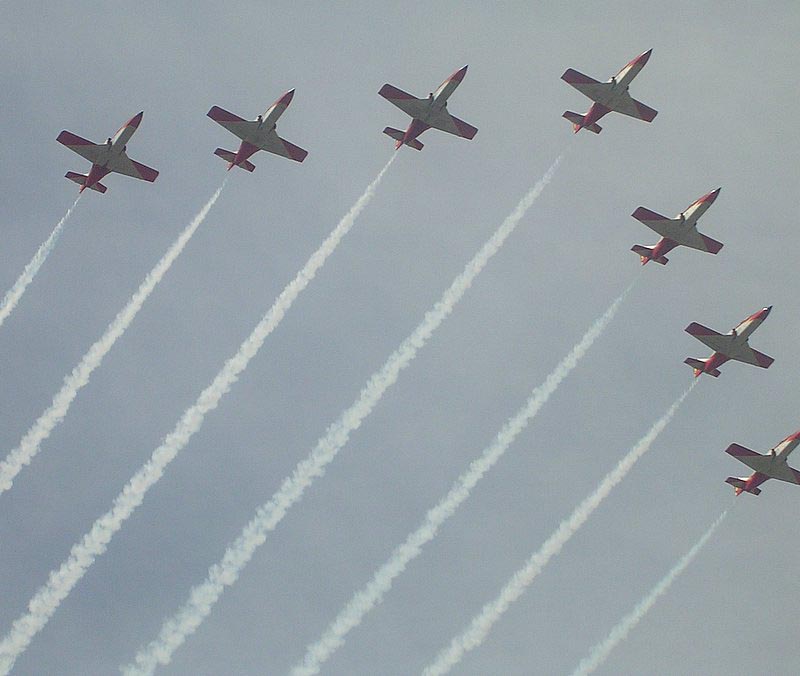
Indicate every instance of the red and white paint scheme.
{"type": "Point", "coordinates": [258, 134]}
{"type": "Point", "coordinates": [732, 345]}
{"type": "Point", "coordinates": [427, 113]}
{"type": "Point", "coordinates": [678, 231]}
{"type": "Point", "coordinates": [106, 158]}
{"type": "Point", "coordinates": [770, 466]}
{"type": "Point", "coordinates": [611, 96]}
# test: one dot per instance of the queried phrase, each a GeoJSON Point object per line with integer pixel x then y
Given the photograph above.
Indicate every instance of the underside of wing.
{"type": "Point", "coordinates": [273, 143]}
{"type": "Point", "coordinates": [627, 105]}
{"type": "Point", "coordinates": [233, 123]}
{"type": "Point", "coordinates": [666, 227]}
{"type": "Point", "coordinates": [444, 121]}
{"type": "Point", "coordinates": [716, 341]}
{"type": "Point", "coordinates": [695, 240]}
{"type": "Point", "coordinates": [409, 104]}
{"type": "Point", "coordinates": [127, 167]}
{"type": "Point", "coordinates": [586, 85]}
{"type": "Point", "coordinates": [94, 152]}
{"type": "Point", "coordinates": [753, 357]}
{"type": "Point", "coordinates": [764, 464]}
{"type": "Point", "coordinates": [755, 461]}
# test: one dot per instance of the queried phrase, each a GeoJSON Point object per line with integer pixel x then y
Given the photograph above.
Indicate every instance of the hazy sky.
{"type": "Point", "coordinates": [724, 80]}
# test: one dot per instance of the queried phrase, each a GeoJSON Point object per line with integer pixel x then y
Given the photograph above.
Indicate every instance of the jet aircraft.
{"type": "Point", "coordinates": [772, 466]}
{"type": "Point", "coordinates": [678, 231]}
{"type": "Point", "coordinates": [106, 157]}
{"type": "Point", "coordinates": [732, 345]}
{"type": "Point", "coordinates": [256, 135]}
{"type": "Point", "coordinates": [427, 113]}
{"type": "Point", "coordinates": [611, 96]}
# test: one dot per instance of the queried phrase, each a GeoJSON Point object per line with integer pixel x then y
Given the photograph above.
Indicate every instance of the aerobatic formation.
{"type": "Point", "coordinates": [430, 112]}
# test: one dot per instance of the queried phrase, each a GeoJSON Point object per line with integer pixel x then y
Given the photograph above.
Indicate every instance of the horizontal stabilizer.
{"type": "Point", "coordinates": [229, 156]}
{"type": "Point", "coordinates": [80, 179]}
{"type": "Point", "coordinates": [699, 367]}
{"type": "Point", "coordinates": [398, 135]}
{"type": "Point", "coordinates": [739, 483]}
{"type": "Point", "coordinates": [577, 122]}
{"type": "Point", "coordinates": [646, 254]}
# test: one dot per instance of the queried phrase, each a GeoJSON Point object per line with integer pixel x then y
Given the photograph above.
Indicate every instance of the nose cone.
{"type": "Point", "coordinates": [286, 99]}
{"type": "Point", "coordinates": [642, 58]}
{"type": "Point", "coordinates": [765, 312]}
{"type": "Point", "coordinates": [793, 437]}
{"type": "Point", "coordinates": [135, 121]}
{"type": "Point", "coordinates": [710, 197]}
{"type": "Point", "coordinates": [458, 75]}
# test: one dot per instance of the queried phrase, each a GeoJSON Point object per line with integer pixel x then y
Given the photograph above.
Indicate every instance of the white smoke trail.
{"type": "Point", "coordinates": [202, 598]}
{"type": "Point", "coordinates": [47, 599]}
{"type": "Point", "coordinates": [620, 632]}
{"type": "Point", "coordinates": [476, 632]}
{"type": "Point", "coordinates": [30, 444]}
{"type": "Point", "coordinates": [367, 598]}
{"type": "Point", "coordinates": [13, 295]}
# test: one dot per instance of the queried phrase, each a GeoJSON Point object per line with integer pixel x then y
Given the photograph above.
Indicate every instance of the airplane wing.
{"type": "Point", "coordinates": [666, 227]}
{"type": "Point", "coordinates": [748, 355]}
{"type": "Point", "coordinates": [586, 85]}
{"type": "Point", "coordinates": [94, 152]}
{"type": "Point", "coordinates": [627, 105]}
{"type": "Point", "coordinates": [444, 121]}
{"type": "Point", "coordinates": [716, 341]}
{"type": "Point", "coordinates": [672, 228]}
{"type": "Point", "coordinates": [128, 167]}
{"type": "Point", "coordinates": [410, 105]}
{"type": "Point", "coordinates": [273, 143]}
{"type": "Point", "coordinates": [233, 123]}
{"type": "Point", "coordinates": [765, 464]}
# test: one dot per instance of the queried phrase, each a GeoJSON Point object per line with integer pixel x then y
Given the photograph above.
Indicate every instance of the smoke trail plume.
{"type": "Point", "coordinates": [13, 295]}
{"type": "Point", "coordinates": [30, 444]}
{"type": "Point", "coordinates": [476, 632]}
{"type": "Point", "coordinates": [368, 597]}
{"type": "Point", "coordinates": [620, 632]}
{"type": "Point", "coordinates": [47, 599]}
{"type": "Point", "coordinates": [202, 598]}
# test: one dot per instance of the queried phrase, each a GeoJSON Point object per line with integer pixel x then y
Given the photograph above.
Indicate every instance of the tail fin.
{"type": "Point", "coordinates": [740, 485]}
{"type": "Point", "coordinates": [228, 156]}
{"type": "Point", "coordinates": [577, 122]}
{"type": "Point", "coordinates": [80, 179]}
{"type": "Point", "coordinates": [646, 254]}
{"type": "Point", "coordinates": [699, 366]}
{"type": "Point", "coordinates": [398, 135]}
